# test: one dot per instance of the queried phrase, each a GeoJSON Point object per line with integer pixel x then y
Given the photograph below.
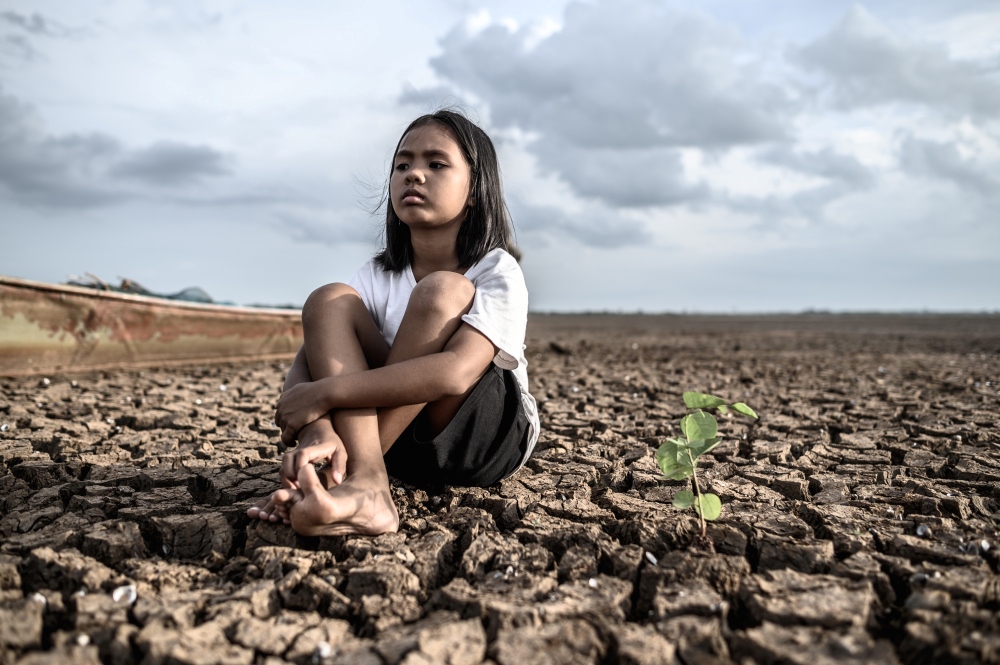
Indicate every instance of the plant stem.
{"type": "Point", "coordinates": [697, 492]}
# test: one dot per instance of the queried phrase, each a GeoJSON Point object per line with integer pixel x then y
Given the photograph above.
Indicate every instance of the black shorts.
{"type": "Point", "coordinates": [484, 443]}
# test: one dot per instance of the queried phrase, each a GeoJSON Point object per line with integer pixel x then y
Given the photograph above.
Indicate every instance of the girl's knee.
{"type": "Point", "coordinates": [443, 291]}
{"type": "Point", "coordinates": [327, 296]}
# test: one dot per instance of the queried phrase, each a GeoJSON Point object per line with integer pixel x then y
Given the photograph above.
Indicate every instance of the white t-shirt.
{"type": "Point", "coordinates": [499, 311]}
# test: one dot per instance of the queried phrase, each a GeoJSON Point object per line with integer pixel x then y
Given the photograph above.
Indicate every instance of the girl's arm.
{"type": "Point", "coordinates": [298, 372]}
{"type": "Point", "coordinates": [453, 371]}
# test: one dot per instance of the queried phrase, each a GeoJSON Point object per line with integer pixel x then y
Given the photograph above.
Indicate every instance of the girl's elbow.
{"type": "Point", "coordinates": [461, 380]}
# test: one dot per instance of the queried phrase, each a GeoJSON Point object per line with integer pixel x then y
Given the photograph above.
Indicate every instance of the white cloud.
{"type": "Point", "coordinates": [866, 64]}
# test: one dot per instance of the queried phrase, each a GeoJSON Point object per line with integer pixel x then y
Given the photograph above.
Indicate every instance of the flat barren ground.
{"type": "Point", "coordinates": [860, 523]}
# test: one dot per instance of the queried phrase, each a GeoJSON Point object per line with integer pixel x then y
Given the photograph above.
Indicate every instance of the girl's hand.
{"type": "Point", "coordinates": [300, 405]}
{"type": "Point", "coordinates": [317, 442]}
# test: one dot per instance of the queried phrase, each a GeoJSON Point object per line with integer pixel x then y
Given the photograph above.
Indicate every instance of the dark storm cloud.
{"type": "Point", "coordinates": [867, 65]}
{"type": "Point", "coordinates": [79, 170]}
{"type": "Point", "coordinates": [38, 169]}
{"type": "Point", "coordinates": [170, 164]}
{"type": "Point", "coordinates": [630, 178]}
{"type": "Point", "coordinates": [619, 75]}
{"type": "Point", "coordinates": [615, 93]}
{"type": "Point", "coordinates": [944, 162]}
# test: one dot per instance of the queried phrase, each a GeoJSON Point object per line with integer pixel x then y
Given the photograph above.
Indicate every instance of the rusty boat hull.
{"type": "Point", "coordinates": [59, 328]}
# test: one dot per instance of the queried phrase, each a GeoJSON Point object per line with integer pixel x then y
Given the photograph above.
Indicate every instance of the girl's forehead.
{"type": "Point", "coordinates": [432, 136]}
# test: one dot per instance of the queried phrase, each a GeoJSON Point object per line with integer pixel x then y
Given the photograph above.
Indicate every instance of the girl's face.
{"type": "Point", "coordinates": [430, 179]}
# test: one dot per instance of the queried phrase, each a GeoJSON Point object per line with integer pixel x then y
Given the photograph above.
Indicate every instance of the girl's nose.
{"type": "Point", "coordinates": [414, 175]}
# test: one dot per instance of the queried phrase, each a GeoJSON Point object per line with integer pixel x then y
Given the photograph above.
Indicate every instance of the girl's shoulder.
{"type": "Point", "coordinates": [497, 262]}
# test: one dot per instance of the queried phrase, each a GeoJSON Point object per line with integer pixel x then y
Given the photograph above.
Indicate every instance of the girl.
{"type": "Point", "coordinates": [415, 367]}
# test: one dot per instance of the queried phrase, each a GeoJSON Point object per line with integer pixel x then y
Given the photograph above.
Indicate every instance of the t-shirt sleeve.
{"type": "Point", "coordinates": [500, 312]}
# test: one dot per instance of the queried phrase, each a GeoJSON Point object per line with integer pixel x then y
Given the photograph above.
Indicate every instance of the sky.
{"type": "Point", "coordinates": [714, 156]}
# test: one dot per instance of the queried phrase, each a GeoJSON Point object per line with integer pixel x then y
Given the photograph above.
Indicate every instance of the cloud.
{"type": "Point", "coordinates": [867, 65]}
{"type": "Point", "coordinates": [616, 92]}
{"type": "Point", "coordinates": [839, 175]}
{"type": "Point", "coordinates": [824, 163]}
{"type": "Point", "coordinates": [595, 226]}
{"type": "Point", "coordinates": [171, 164]}
{"type": "Point", "coordinates": [85, 170]}
{"type": "Point", "coordinates": [59, 172]}
{"type": "Point", "coordinates": [630, 178]}
{"type": "Point", "coordinates": [619, 75]}
{"type": "Point", "coordinates": [943, 161]}
{"type": "Point", "coordinates": [19, 44]}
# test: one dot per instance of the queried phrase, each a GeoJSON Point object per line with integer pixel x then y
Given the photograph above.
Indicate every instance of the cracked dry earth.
{"type": "Point", "coordinates": [860, 519]}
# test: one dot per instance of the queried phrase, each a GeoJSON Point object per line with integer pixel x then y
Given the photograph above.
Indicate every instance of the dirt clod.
{"type": "Point", "coordinates": [860, 519]}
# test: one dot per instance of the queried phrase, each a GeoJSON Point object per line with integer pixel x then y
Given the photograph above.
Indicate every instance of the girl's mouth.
{"type": "Point", "coordinates": [412, 196]}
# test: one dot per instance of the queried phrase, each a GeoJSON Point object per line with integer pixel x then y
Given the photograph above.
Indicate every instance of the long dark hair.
{"type": "Point", "coordinates": [487, 224]}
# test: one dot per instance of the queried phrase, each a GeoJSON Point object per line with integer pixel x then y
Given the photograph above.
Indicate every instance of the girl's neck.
{"type": "Point", "coordinates": [434, 251]}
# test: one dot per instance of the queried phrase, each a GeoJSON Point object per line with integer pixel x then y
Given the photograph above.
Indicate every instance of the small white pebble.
{"type": "Point", "coordinates": [197, 401]}
{"type": "Point", "coordinates": [166, 549]}
{"type": "Point", "coordinates": [81, 593]}
{"type": "Point", "coordinates": [40, 599]}
{"type": "Point", "coordinates": [110, 421]}
{"type": "Point", "coordinates": [890, 512]}
{"type": "Point", "coordinates": [126, 593]}
{"type": "Point", "coordinates": [4, 427]}
{"type": "Point", "coordinates": [923, 531]}
{"type": "Point", "coordinates": [46, 382]}
{"type": "Point", "coordinates": [74, 384]}
{"type": "Point", "coordinates": [650, 558]}
{"type": "Point", "coordinates": [223, 388]}
{"type": "Point", "coordinates": [681, 594]}
{"type": "Point", "coordinates": [83, 640]}
{"type": "Point", "coordinates": [575, 389]}
{"type": "Point", "coordinates": [322, 652]}
{"type": "Point", "coordinates": [984, 545]}
{"type": "Point", "coordinates": [592, 582]}
{"type": "Point", "coordinates": [634, 346]}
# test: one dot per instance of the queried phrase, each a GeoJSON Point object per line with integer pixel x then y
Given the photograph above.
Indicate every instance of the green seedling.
{"type": "Point", "coordinates": [678, 458]}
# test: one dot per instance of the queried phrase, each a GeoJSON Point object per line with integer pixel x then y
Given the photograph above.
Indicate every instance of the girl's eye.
{"type": "Point", "coordinates": [401, 167]}
{"type": "Point", "coordinates": [438, 165]}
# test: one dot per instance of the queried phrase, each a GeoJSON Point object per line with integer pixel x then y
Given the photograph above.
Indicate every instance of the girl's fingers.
{"type": "Point", "coordinates": [338, 463]}
{"type": "Point", "coordinates": [309, 480]}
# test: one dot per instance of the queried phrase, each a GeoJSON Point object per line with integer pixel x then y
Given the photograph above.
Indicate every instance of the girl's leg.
{"type": "Point", "coordinates": [338, 332]}
{"type": "Point", "coordinates": [433, 315]}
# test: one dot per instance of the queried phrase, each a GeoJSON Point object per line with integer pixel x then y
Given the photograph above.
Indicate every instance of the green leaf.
{"type": "Point", "coordinates": [708, 506]}
{"type": "Point", "coordinates": [679, 472]}
{"type": "Point", "coordinates": [674, 459]}
{"type": "Point", "coordinates": [683, 499]}
{"type": "Point", "coordinates": [723, 410]}
{"type": "Point", "coordinates": [700, 447]}
{"type": "Point", "coordinates": [702, 401]}
{"type": "Point", "coordinates": [699, 426]}
{"type": "Point", "coordinates": [740, 407]}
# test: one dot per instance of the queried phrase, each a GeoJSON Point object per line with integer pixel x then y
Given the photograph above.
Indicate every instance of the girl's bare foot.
{"type": "Point", "coordinates": [360, 505]}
